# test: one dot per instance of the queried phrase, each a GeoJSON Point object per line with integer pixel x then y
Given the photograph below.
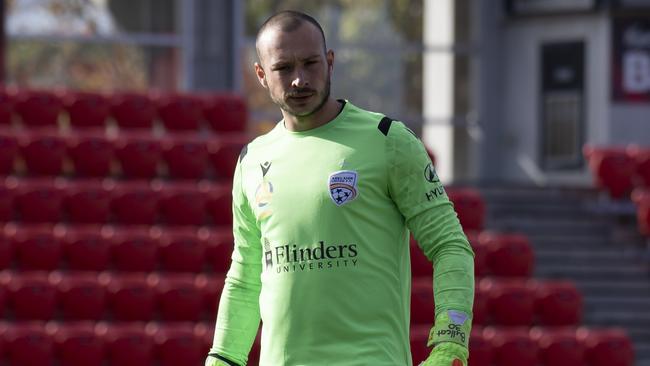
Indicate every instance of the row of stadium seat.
{"type": "Point", "coordinates": [102, 201]}
{"type": "Point", "coordinates": [547, 346]}
{"type": "Point", "coordinates": [619, 169]}
{"type": "Point", "coordinates": [178, 112]}
{"type": "Point", "coordinates": [509, 302]}
{"type": "Point", "coordinates": [130, 155]}
{"type": "Point", "coordinates": [45, 247]}
{"type": "Point", "coordinates": [641, 197]}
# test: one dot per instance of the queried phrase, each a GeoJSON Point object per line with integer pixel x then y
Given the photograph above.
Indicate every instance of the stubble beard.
{"type": "Point", "coordinates": [325, 94]}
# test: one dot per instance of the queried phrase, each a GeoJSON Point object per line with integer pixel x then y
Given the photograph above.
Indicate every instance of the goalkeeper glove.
{"type": "Point", "coordinates": [213, 361]}
{"type": "Point", "coordinates": [450, 335]}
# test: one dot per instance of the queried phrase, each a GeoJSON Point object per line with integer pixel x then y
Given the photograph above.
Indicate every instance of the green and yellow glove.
{"type": "Point", "coordinates": [213, 361]}
{"type": "Point", "coordinates": [450, 338]}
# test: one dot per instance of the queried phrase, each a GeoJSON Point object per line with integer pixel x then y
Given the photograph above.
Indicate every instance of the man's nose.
{"type": "Point", "coordinates": [299, 80]}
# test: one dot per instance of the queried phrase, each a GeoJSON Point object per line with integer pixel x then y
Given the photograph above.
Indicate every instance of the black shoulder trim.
{"type": "Point", "coordinates": [384, 125]}
{"type": "Point", "coordinates": [243, 153]}
{"type": "Point", "coordinates": [223, 359]}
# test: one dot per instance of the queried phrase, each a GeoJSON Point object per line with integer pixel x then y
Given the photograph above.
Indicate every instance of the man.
{"type": "Point", "coordinates": [322, 207]}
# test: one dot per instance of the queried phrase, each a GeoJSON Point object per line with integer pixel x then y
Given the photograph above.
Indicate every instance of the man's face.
{"type": "Point", "coordinates": [295, 69]}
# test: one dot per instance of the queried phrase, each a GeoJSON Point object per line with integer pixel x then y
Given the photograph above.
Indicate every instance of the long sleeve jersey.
{"type": "Point", "coordinates": [321, 255]}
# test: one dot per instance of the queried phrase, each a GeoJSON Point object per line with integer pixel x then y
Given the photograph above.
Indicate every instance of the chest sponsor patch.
{"type": "Point", "coordinates": [343, 186]}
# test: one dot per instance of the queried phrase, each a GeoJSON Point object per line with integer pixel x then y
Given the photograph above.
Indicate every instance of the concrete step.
{"type": "Point", "coordinates": [590, 287]}
{"type": "Point", "coordinates": [538, 226]}
{"type": "Point", "coordinates": [552, 241]}
{"type": "Point", "coordinates": [580, 256]}
{"type": "Point", "coordinates": [611, 318]}
{"type": "Point", "coordinates": [636, 304]}
{"type": "Point", "coordinates": [591, 272]}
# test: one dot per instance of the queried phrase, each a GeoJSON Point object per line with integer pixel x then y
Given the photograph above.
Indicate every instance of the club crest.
{"type": "Point", "coordinates": [343, 186]}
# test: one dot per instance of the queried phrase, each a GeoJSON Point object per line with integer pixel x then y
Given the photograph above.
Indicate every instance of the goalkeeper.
{"type": "Point", "coordinates": [323, 206]}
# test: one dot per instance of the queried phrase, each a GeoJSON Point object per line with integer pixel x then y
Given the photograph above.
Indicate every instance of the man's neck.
{"type": "Point", "coordinates": [328, 112]}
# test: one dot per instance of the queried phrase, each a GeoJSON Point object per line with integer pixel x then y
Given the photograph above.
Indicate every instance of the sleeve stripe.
{"type": "Point", "coordinates": [243, 153]}
{"type": "Point", "coordinates": [384, 125]}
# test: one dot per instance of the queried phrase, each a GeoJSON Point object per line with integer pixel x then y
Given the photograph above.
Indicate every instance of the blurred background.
{"type": "Point", "coordinates": [121, 122]}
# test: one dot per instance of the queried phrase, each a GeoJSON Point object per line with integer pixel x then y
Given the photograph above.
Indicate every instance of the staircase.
{"type": "Point", "coordinates": [579, 235]}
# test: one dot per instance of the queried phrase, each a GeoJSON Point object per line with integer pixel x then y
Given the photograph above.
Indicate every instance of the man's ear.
{"type": "Point", "coordinates": [330, 59]}
{"type": "Point", "coordinates": [261, 75]}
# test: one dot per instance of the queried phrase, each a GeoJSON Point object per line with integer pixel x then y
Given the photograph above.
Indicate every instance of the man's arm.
{"type": "Point", "coordinates": [430, 215]}
{"type": "Point", "coordinates": [238, 318]}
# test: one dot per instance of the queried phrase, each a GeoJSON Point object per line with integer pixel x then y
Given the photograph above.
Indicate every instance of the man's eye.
{"type": "Point", "coordinates": [311, 63]}
{"type": "Point", "coordinates": [282, 68]}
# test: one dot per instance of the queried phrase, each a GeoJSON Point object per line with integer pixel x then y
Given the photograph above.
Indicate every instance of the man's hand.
{"type": "Point", "coordinates": [450, 338]}
{"type": "Point", "coordinates": [213, 361]}
{"type": "Point", "coordinates": [447, 354]}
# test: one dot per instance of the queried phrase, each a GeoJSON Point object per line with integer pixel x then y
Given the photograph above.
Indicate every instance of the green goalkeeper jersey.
{"type": "Point", "coordinates": [321, 255]}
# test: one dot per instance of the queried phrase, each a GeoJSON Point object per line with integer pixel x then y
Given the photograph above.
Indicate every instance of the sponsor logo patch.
{"type": "Point", "coordinates": [343, 186]}
{"type": "Point", "coordinates": [430, 174]}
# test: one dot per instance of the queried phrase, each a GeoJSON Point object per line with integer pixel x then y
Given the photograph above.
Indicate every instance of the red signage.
{"type": "Point", "coordinates": [631, 59]}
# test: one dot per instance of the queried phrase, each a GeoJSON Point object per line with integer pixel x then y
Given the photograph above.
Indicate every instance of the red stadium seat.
{"type": "Point", "coordinates": [176, 344]}
{"type": "Point", "coordinates": [8, 193]}
{"type": "Point", "coordinates": [180, 112]}
{"type": "Point", "coordinates": [420, 264]}
{"type": "Point", "coordinates": [224, 153]}
{"type": "Point", "coordinates": [43, 152]}
{"type": "Point", "coordinates": [89, 201]}
{"type": "Point", "coordinates": [481, 352]}
{"type": "Point", "coordinates": [481, 266]}
{"type": "Point", "coordinates": [513, 346]}
{"type": "Point", "coordinates": [470, 207]}
{"type": "Point", "coordinates": [39, 108]}
{"type": "Point", "coordinates": [135, 202]}
{"type": "Point", "coordinates": [641, 158]}
{"type": "Point", "coordinates": [226, 113]}
{"type": "Point", "coordinates": [31, 295]}
{"type": "Point", "coordinates": [641, 198]}
{"type": "Point", "coordinates": [508, 255]}
{"type": "Point", "coordinates": [29, 344]}
{"type": "Point", "coordinates": [8, 151]}
{"type": "Point", "coordinates": [612, 168]}
{"type": "Point", "coordinates": [87, 248]}
{"type": "Point", "coordinates": [139, 155]}
{"type": "Point", "coordinates": [37, 247]}
{"type": "Point", "coordinates": [419, 336]}
{"type": "Point", "coordinates": [422, 304]}
{"type": "Point", "coordinates": [607, 347]}
{"type": "Point", "coordinates": [481, 310]}
{"type": "Point", "coordinates": [87, 109]}
{"type": "Point", "coordinates": [91, 154]}
{"type": "Point", "coordinates": [182, 250]}
{"type": "Point", "coordinates": [511, 302]}
{"type": "Point", "coordinates": [219, 205]}
{"type": "Point", "coordinates": [131, 296]}
{"type": "Point", "coordinates": [184, 203]}
{"type": "Point", "coordinates": [81, 296]}
{"type": "Point", "coordinates": [558, 303]}
{"type": "Point", "coordinates": [7, 101]}
{"type": "Point", "coordinates": [219, 245]}
{"type": "Point", "coordinates": [6, 251]}
{"type": "Point", "coordinates": [40, 200]}
{"type": "Point", "coordinates": [211, 288]}
{"type": "Point", "coordinates": [179, 299]}
{"type": "Point", "coordinates": [77, 344]}
{"type": "Point", "coordinates": [559, 346]}
{"type": "Point", "coordinates": [128, 344]}
{"type": "Point", "coordinates": [135, 249]}
{"type": "Point", "coordinates": [205, 332]}
{"type": "Point", "coordinates": [133, 110]}
{"type": "Point", "coordinates": [186, 157]}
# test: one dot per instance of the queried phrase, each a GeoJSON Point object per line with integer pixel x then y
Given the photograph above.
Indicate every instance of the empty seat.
{"type": "Point", "coordinates": [607, 347]}
{"type": "Point", "coordinates": [508, 255]}
{"type": "Point", "coordinates": [186, 157]}
{"type": "Point", "coordinates": [219, 245]}
{"type": "Point", "coordinates": [511, 302]}
{"type": "Point", "coordinates": [226, 113]}
{"type": "Point", "coordinates": [211, 287]}
{"type": "Point", "coordinates": [641, 158]}
{"type": "Point", "coordinates": [180, 112]}
{"type": "Point", "coordinates": [37, 247]}
{"type": "Point", "coordinates": [612, 168]}
{"type": "Point", "coordinates": [77, 344]}
{"type": "Point", "coordinates": [133, 110]}
{"type": "Point", "coordinates": [89, 201]}
{"type": "Point", "coordinates": [641, 197]}
{"type": "Point", "coordinates": [91, 154]}
{"type": "Point", "coordinates": [131, 296]}
{"type": "Point", "coordinates": [481, 351]}
{"type": "Point", "coordinates": [7, 101]}
{"type": "Point", "coordinates": [135, 249]}
{"type": "Point", "coordinates": [179, 299]}
{"type": "Point", "coordinates": [135, 203]}
{"type": "Point", "coordinates": [8, 151]}
{"type": "Point", "coordinates": [420, 264]}
{"type": "Point", "coordinates": [8, 193]}
{"type": "Point", "coordinates": [558, 303]}
{"type": "Point", "coordinates": [559, 346]}
{"type": "Point", "coordinates": [38, 107]}
{"type": "Point", "coordinates": [419, 336]}
{"type": "Point", "coordinates": [219, 205]}
{"type": "Point", "coordinates": [422, 303]}
{"type": "Point", "coordinates": [6, 251]}
{"type": "Point", "coordinates": [43, 152]}
{"type": "Point", "coordinates": [182, 250]}
{"type": "Point", "coordinates": [81, 296]}
{"type": "Point", "coordinates": [481, 265]}
{"type": "Point", "coordinates": [205, 332]}
{"type": "Point", "coordinates": [177, 344]}
{"type": "Point", "coordinates": [128, 344]}
{"type": "Point", "coordinates": [87, 109]}
{"type": "Point", "coordinates": [481, 309]}
{"type": "Point", "coordinates": [139, 155]}
{"type": "Point", "coordinates": [31, 295]}
{"type": "Point", "coordinates": [469, 206]}
{"type": "Point", "coordinates": [29, 344]}
{"type": "Point", "coordinates": [224, 152]}
{"type": "Point", "coordinates": [184, 203]}
{"type": "Point", "coordinates": [87, 248]}
{"type": "Point", "coordinates": [513, 346]}
{"type": "Point", "coordinates": [40, 200]}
